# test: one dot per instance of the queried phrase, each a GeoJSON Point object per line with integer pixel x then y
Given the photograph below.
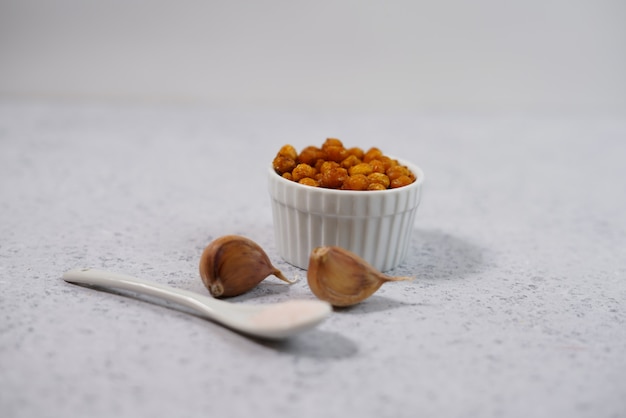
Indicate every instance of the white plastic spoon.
{"type": "Point", "coordinates": [272, 321]}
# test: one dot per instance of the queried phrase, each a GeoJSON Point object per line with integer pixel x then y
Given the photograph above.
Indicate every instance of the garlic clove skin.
{"type": "Point", "coordinates": [232, 265]}
{"type": "Point", "coordinates": [342, 278]}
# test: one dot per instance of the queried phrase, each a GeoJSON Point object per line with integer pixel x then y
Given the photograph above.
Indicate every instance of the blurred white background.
{"type": "Point", "coordinates": [448, 54]}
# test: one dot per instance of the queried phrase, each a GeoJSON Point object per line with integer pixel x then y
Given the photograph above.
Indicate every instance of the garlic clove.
{"type": "Point", "coordinates": [342, 278]}
{"type": "Point", "coordinates": [231, 265]}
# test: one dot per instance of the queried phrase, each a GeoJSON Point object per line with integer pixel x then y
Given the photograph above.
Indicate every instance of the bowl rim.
{"type": "Point", "coordinates": [419, 180]}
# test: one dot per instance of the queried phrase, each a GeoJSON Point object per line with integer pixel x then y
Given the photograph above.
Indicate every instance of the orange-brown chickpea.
{"type": "Point", "coordinates": [379, 178]}
{"type": "Point", "coordinates": [363, 168]}
{"type": "Point", "coordinates": [303, 170]}
{"type": "Point", "coordinates": [310, 155]}
{"type": "Point", "coordinates": [283, 164]}
{"type": "Point", "coordinates": [350, 161]}
{"type": "Point", "coordinates": [288, 151]}
{"type": "Point", "coordinates": [335, 153]}
{"type": "Point", "coordinates": [376, 186]}
{"type": "Point", "coordinates": [377, 166]}
{"type": "Point", "coordinates": [403, 180]}
{"type": "Point", "coordinates": [372, 154]}
{"type": "Point", "coordinates": [333, 178]}
{"type": "Point", "coordinates": [287, 176]}
{"type": "Point", "coordinates": [356, 182]}
{"type": "Point", "coordinates": [327, 165]}
{"type": "Point", "coordinates": [356, 151]}
{"type": "Point", "coordinates": [332, 142]}
{"type": "Point", "coordinates": [308, 181]}
{"type": "Point", "coordinates": [387, 162]}
{"type": "Point", "coordinates": [396, 171]}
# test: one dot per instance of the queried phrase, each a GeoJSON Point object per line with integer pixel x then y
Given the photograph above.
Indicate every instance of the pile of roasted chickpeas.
{"type": "Point", "coordinates": [334, 166]}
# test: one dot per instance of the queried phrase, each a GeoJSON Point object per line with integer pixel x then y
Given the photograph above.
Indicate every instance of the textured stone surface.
{"type": "Point", "coordinates": [518, 307]}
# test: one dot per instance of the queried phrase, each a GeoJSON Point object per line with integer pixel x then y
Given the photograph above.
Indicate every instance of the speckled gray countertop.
{"type": "Point", "coordinates": [518, 308]}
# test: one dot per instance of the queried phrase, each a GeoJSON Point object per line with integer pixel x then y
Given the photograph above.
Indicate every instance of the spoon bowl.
{"type": "Point", "coordinates": [269, 321]}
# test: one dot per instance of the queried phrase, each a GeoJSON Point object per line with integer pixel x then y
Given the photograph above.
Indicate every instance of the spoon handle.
{"type": "Point", "coordinates": [95, 277]}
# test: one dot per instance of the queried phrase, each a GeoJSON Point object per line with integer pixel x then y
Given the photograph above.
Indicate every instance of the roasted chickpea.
{"type": "Point", "coordinates": [283, 164]}
{"type": "Point", "coordinates": [327, 165]}
{"type": "Point", "coordinates": [377, 166]}
{"type": "Point", "coordinates": [335, 153]}
{"type": "Point", "coordinates": [350, 161]}
{"type": "Point", "coordinates": [403, 180]}
{"type": "Point", "coordinates": [332, 142]}
{"type": "Point", "coordinates": [310, 155]}
{"type": "Point", "coordinates": [308, 181]}
{"type": "Point", "coordinates": [333, 178]}
{"type": "Point", "coordinates": [318, 164]}
{"type": "Point", "coordinates": [356, 182]}
{"type": "Point", "coordinates": [376, 186]}
{"type": "Point", "coordinates": [372, 154]}
{"type": "Point", "coordinates": [303, 170]}
{"type": "Point", "coordinates": [397, 171]}
{"type": "Point", "coordinates": [363, 168]}
{"type": "Point", "coordinates": [387, 162]}
{"type": "Point", "coordinates": [288, 151]}
{"type": "Point", "coordinates": [379, 178]}
{"type": "Point", "coordinates": [356, 151]}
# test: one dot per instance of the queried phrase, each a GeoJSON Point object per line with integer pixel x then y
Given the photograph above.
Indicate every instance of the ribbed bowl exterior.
{"type": "Point", "coordinates": [376, 225]}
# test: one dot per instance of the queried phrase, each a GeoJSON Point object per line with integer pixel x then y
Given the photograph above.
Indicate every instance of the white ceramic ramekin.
{"type": "Point", "coordinates": [375, 225]}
